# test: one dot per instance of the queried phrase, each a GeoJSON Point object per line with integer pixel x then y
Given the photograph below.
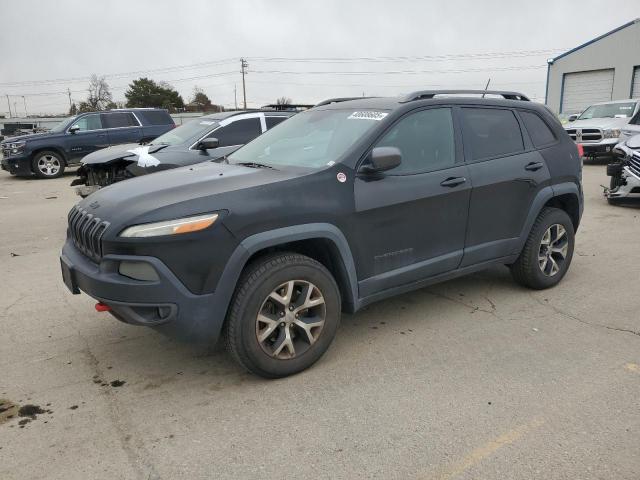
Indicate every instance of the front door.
{"type": "Point", "coordinates": [410, 222]}
{"type": "Point", "coordinates": [90, 137]}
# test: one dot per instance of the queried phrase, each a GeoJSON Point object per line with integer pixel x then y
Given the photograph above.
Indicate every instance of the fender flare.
{"type": "Point", "coordinates": [543, 196]}
{"type": "Point", "coordinates": [249, 246]}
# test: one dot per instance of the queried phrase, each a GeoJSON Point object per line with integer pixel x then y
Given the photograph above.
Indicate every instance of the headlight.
{"type": "Point", "coordinates": [170, 227]}
{"type": "Point", "coordinates": [612, 133]}
{"type": "Point", "coordinates": [15, 147]}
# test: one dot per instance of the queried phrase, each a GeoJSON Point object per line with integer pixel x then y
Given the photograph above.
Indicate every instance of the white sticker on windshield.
{"type": "Point", "coordinates": [367, 115]}
{"type": "Point", "coordinates": [206, 122]}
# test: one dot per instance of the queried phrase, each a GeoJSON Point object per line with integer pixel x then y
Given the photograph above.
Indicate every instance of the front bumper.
{"type": "Point", "coordinates": [630, 189]}
{"type": "Point", "coordinates": [164, 304]}
{"type": "Point", "coordinates": [17, 164]}
{"type": "Point", "coordinates": [601, 149]}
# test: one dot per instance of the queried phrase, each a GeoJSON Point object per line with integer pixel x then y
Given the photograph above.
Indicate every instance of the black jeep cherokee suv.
{"type": "Point", "coordinates": [343, 205]}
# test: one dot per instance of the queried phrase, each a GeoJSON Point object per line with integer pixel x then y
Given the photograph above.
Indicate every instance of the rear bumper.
{"type": "Point", "coordinates": [165, 304]}
{"type": "Point", "coordinates": [17, 165]}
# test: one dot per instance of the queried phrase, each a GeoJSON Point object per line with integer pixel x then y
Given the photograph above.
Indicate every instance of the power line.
{"type": "Point", "coordinates": [399, 72]}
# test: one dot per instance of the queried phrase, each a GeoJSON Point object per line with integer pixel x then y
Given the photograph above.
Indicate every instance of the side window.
{"type": "Point", "coordinates": [89, 122]}
{"type": "Point", "coordinates": [238, 132]}
{"type": "Point", "coordinates": [273, 121]}
{"type": "Point", "coordinates": [426, 140]}
{"type": "Point", "coordinates": [119, 120]}
{"type": "Point", "coordinates": [156, 117]}
{"type": "Point", "coordinates": [490, 132]}
{"type": "Point", "coordinates": [539, 132]}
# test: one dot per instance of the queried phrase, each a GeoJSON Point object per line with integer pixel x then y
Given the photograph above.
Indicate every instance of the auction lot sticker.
{"type": "Point", "coordinates": [367, 115]}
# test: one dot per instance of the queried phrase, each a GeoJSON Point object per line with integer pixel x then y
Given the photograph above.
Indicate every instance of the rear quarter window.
{"type": "Point", "coordinates": [156, 117]}
{"type": "Point", "coordinates": [273, 121]}
{"type": "Point", "coordinates": [538, 130]}
{"type": "Point", "coordinates": [491, 132]}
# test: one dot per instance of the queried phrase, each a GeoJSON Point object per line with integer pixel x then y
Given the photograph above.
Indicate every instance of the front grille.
{"type": "Point", "coordinates": [86, 231]}
{"type": "Point", "coordinates": [634, 164]}
{"type": "Point", "coordinates": [585, 134]}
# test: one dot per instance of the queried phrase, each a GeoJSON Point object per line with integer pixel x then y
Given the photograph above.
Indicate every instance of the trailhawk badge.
{"type": "Point", "coordinates": [341, 177]}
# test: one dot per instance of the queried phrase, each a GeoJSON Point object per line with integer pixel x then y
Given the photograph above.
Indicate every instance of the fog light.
{"type": "Point", "coordinates": [138, 271]}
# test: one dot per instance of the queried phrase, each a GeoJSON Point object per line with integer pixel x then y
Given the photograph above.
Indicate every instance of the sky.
{"type": "Point", "coordinates": [304, 50]}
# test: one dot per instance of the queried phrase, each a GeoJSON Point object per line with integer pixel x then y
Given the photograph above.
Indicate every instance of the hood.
{"type": "Point", "coordinates": [633, 142]}
{"type": "Point", "coordinates": [603, 123]}
{"type": "Point", "coordinates": [117, 152]}
{"type": "Point", "coordinates": [31, 136]}
{"type": "Point", "coordinates": [176, 193]}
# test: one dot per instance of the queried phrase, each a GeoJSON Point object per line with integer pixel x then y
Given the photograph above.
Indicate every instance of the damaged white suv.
{"type": "Point", "coordinates": [603, 125]}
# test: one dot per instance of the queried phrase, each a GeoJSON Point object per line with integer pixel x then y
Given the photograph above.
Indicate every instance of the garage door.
{"type": "Point", "coordinates": [581, 89]}
{"type": "Point", "coordinates": [635, 87]}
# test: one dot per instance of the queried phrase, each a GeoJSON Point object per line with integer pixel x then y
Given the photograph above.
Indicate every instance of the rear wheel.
{"type": "Point", "coordinates": [548, 251]}
{"type": "Point", "coordinates": [283, 316]}
{"type": "Point", "coordinates": [48, 164]}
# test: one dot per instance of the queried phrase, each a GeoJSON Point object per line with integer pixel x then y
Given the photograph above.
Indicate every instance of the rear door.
{"type": "Point", "coordinates": [506, 173]}
{"type": "Point", "coordinates": [122, 127]}
{"type": "Point", "coordinates": [410, 222]}
{"type": "Point", "coordinates": [90, 137]}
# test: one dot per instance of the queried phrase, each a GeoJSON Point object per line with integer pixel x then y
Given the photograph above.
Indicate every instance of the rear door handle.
{"type": "Point", "coordinates": [453, 181]}
{"type": "Point", "coordinates": [533, 166]}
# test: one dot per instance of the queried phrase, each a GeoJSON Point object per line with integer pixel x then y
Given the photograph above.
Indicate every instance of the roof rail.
{"type": "Point", "coordinates": [329, 101]}
{"type": "Point", "coordinates": [427, 94]}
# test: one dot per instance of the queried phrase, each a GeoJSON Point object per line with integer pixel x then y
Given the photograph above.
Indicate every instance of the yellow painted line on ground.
{"type": "Point", "coordinates": [488, 449]}
{"type": "Point", "coordinates": [633, 367]}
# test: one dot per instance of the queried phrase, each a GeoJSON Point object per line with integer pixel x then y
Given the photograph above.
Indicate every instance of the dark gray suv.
{"type": "Point", "coordinates": [346, 204]}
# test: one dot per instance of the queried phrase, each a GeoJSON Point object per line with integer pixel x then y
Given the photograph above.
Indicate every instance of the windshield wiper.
{"type": "Point", "coordinates": [255, 165]}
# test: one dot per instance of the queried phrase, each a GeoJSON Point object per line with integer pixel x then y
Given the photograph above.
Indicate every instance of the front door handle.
{"type": "Point", "coordinates": [533, 166]}
{"type": "Point", "coordinates": [453, 181]}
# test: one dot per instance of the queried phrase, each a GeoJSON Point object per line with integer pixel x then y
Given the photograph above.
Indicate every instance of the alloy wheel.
{"type": "Point", "coordinates": [290, 319]}
{"type": "Point", "coordinates": [553, 250]}
{"type": "Point", "coordinates": [48, 165]}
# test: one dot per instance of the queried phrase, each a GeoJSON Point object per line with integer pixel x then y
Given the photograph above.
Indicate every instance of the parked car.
{"type": "Point", "coordinates": [343, 205]}
{"type": "Point", "coordinates": [624, 172]}
{"type": "Point", "coordinates": [600, 127]}
{"type": "Point", "coordinates": [206, 138]}
{"type": "Point", "coordinates": [47, 154]}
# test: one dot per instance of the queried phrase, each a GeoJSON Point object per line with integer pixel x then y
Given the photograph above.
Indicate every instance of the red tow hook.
{"type": "Point", "coordinates": [101, 307]}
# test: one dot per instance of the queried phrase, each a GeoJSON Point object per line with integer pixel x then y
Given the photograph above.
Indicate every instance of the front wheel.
{"type": "Point", "coordinates": [283, 316]}
{"type": "Point", "coordinates": [548, 251]}
{"type": "Point", "coordinates": [48, 164]}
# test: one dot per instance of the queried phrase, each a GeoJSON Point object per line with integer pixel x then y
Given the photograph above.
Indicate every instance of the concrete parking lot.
{"type": "Point", "coordinates": [476, 378]}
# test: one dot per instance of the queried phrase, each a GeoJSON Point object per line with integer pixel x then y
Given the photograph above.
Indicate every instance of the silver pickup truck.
{"type": "Point", "coordinates": [603, 125]}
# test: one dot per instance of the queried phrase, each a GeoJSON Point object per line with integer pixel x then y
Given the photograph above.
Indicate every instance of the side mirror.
{"type": "Point", "coordinates": [573, 118]}
{"type": "Point", "coordinates": [74, 129]}
{"type": "Point", "coordinates": [208, 144]}
{"type": "Point", "coordinates": [382, 159]}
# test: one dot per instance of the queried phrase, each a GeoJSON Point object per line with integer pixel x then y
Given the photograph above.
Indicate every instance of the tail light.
{"type": "Point", "coordinates": [580, 150]}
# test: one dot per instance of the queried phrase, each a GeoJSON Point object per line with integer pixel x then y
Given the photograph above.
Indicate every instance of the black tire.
{"type": "Point", "coordinates": [258, 282]}
{"type": "Point", "coordinates": [48, 164]}
{"type": "Point", "coordinates": [527, 269]}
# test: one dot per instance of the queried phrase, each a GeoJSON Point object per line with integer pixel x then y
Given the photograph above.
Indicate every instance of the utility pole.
{"type": "Point", "coordinates": [70, 104]}
{"type": "Point", "coordinates": [235, 96]}
{"type": "Point", "coordinates": [25, 107]}
{"type": "Point", "coordinates": [244, 65]}
{"type": "Point", "coordinates": [9, 105]}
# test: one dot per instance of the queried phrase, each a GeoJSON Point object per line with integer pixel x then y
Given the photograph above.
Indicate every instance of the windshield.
{"type": "Point", "coordinates": [311, 139]}
{"type": "Point", "coordinates": [60, 127]}
{"type": "Point", "coordinates": [189, 131]}
{"type": "Point", "coordinates": [608, 110]}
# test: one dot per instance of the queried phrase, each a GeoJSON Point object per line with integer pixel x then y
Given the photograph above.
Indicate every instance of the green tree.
{"type": "Point", "coordinates": [144, 92]}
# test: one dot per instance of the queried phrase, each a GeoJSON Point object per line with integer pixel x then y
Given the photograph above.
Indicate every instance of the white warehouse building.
{"type": "Point", "coordinates": [605, 68]}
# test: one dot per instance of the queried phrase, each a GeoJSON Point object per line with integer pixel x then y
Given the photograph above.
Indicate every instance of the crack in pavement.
{"type": "Point", "coordinates": [577, 319]}
{"type": "Point", "coordinates": [474, 308]}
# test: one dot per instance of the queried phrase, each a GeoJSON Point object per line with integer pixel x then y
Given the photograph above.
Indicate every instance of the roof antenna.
{"type": "Point", "coordinates": [486, 87]}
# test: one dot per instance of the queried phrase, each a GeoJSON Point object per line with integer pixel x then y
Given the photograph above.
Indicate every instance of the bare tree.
{"type": "Point", "coordinates": [99, 94]}
{"type": "Point", "coordinates": [284, 101]}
